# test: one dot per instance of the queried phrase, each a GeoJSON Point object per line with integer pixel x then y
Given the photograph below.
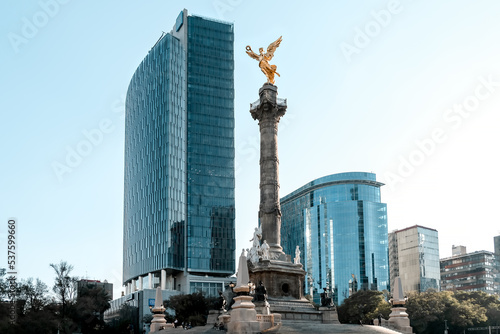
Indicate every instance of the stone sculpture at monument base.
{"type": "Point", "coordinates": [243, 318]}
{"type": "Point", "coordinates": [158, 323]}
{"type": "Point", "coordinates": [398, 319]}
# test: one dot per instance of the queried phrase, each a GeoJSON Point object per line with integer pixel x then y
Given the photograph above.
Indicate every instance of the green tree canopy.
{"type": "Point", "coordinates": [429, 310]}
{"type": "Point", "coordinates": [363, 306]}
{"type": "Point", "coordinates": [35, 294]}
{"type": "Point", "coordinates": [89, 308]}
{"type": "Point", "coordinates": [35, 311]}
{"type": "Point", "coordinates": [64, 284]}
{"type": "Point", "coordinates": [189, 308]}
{"type": "Point", "coordinates": [4, 287]}
{"type": "Point", "coordinates": [490, 302]}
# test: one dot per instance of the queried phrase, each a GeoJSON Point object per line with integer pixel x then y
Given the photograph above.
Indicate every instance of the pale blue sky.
{"type": "Point", "coordinates": [366, 81]}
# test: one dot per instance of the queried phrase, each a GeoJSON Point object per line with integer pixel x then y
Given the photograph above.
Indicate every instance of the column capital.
{"type": "Point", "coordinates": [268, 106]}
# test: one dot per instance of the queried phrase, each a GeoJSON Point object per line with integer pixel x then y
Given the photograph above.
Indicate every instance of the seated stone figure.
{"type": "Point", "coordinates": [228, 296]}
{"type": "Point", "coordinates": [260, 293]}
{"type": "Point", "coordinates": [326, 299]}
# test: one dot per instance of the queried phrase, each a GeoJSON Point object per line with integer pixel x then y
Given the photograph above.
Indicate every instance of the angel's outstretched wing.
{"type": "Point", "coordinates": [272, 47]}
{"type": "Point", "coordinates": [251, 53]}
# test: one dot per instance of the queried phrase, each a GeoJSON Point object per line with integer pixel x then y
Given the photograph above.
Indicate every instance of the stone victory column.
{"type": "Point", "coordinates": [267, 261]}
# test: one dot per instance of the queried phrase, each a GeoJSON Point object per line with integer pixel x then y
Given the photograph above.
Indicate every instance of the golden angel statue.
{"type": "Point", "coordinates": [264, 58]}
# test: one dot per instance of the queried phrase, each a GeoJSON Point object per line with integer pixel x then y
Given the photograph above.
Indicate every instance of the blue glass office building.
{"type": "Point", "coordinates": [179, 159]}
{"type": "Point", "coordinates": [340, 226]}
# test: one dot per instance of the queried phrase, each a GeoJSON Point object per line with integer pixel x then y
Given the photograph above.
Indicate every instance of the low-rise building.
{"type": "Point", "coordinates": [88, 283]}
{"type": "Point", "coordinates": [476, 271]}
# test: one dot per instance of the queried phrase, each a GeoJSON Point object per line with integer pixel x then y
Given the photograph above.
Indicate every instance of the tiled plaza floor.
{"type": "Point", "coordinates": [292, 327]}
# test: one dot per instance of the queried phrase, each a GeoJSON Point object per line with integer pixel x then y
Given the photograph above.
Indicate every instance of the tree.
{"type": "Point", "coordinates": [65, 288]}
{"type": "Point", "coordinates": [462, 314]}
{"type": "Point", "coordinates": [363, 306]}
{"type": "Point", "coordinates": [35, 295]}
{"type": "Point", "coordinates": [35, 312]}
{"type": "Point", "coordinates": [9, 291]}
{"type": "Point", "coordinates": [425, 311]}
{"type": "Point", "coordinates": [64, 285]}
{"type": "Point", "coordinates": [128, 315]}
{"type": "Point", "coordinates": [490, 302]}
{"type": "Point", "coordinates": [4, 286]}
{"type": "Point", "coordinates": [191, 308]}
{"type": "Point", "coordinates": [40, 321]}
{"type": "Point", "coordinates": [5, 326]}
{"type": "Point", "coordinates": [89, 308]}
{"type": "Point", "coordinates": [429, 310]}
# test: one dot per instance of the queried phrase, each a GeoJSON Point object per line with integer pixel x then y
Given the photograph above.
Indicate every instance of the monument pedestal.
{"type": "Point", "coordinates": [224, 319]}
{"type": "Point", "coordinates": [262, 307]}
{"type": "Point", "coordinates": [158, 323]}
{"type": "Point", "coordinates": [329, 315]}
{"type": "Point", "coordinates": [399, 320]}
{"type": "Point", "coordinates": [243, 317]}
{"type": "Point", "coordinates": [282, 279]}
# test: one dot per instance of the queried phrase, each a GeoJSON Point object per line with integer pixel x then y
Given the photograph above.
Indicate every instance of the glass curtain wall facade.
{"type": "Point", "coordinates": [340, 225]}
{"type": "Point", "coordinates": [179, 157]}
{"type": "Point", "coordinates": [414, 256]}
{"type": "Point", "coordinates": [210, 146]}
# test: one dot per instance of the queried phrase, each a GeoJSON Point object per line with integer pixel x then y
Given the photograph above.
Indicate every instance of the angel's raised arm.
{"type": "Point", "coordinates": [251, 53]}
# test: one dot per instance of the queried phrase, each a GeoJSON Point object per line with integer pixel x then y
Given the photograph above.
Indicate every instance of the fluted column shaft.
{"type": "Point", "coordinates": [268, 112]}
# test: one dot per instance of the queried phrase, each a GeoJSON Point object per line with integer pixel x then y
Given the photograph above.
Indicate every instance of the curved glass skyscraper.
{"type": "Point", "coordinates": [179, 159]}
{"type": "Point", "coordinates": [340, 226]}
